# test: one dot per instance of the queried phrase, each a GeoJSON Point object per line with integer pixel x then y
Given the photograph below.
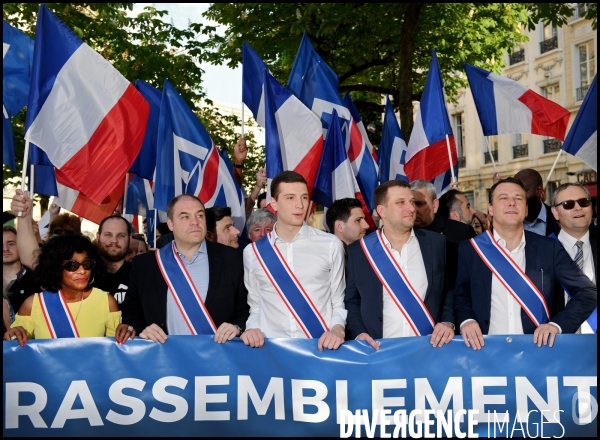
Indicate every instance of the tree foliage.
{"type": "Point", "coordinates": [143, 46]}
{"type": "Point", "coordinates": [377, 48]}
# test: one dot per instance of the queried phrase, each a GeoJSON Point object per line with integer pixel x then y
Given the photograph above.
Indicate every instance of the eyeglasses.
{"type": "Point", "coordinates": [61, 232]}
{"type": "Point", "coordinates": [72, 265]}
{"type": "Point", "coordinates": [570, 204]}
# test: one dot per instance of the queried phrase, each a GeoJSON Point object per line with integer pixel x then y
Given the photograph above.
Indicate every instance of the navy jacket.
{"type": "Point", "coordinates": [546, 262]}
{"type": "Point", "coordinates": [364, 291]}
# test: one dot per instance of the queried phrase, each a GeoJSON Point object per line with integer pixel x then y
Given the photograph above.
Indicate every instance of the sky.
{"type": "Point", "coordinates": [220, 83]}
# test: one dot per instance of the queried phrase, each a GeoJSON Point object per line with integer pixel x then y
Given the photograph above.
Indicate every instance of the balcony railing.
{"type": "Point", "coordinates": [517, 57]}
{"type": "Point", "coordinates": [462, 162]}
{"type": "Point", "coordinates": [487, 157]}
{"type": "Point", "coordinates": [581, 92]}
{"type": "Point", "coordinates": [549, 44]}
{"type": "Point", "coordinates": [552, 145]}
{"type": "Point", "coordinates": [520, 151]}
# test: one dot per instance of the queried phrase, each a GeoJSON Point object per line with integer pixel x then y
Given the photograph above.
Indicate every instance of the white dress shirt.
{"type": "Point", "coordinates": [317, 260]}
{"type": "Point", "coordinates": [411, 262]}
{"type": "Point", "coordinates": [505, 315]}
{"type": "Point", "coordinates": [568, 243]}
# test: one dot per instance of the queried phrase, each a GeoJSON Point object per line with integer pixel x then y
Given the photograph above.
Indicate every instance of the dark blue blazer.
{"type": "Point", "coordinates": [364, 291]}
{"type": "Point", "coordinates": [546, 262]}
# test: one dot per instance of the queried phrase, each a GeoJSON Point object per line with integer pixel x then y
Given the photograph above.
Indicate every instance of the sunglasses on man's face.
{"type": "Point", "coordinates": [72, 265]}
{"type": "Point", "coordinates": [570, 204]}
{"type": "Point", "coordinates": [61, 232]}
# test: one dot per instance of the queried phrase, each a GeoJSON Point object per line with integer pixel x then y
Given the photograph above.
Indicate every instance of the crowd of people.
{"type": "Point", "coordinates": [434, 267]}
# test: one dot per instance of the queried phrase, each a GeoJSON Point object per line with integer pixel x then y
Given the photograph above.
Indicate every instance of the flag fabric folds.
{"type": "Point", "coordinates": [140, 199]}
{"type": "Point", "coordinates": [76, 202]}
{"type": "Point", "coordinates": [44, 177]}
{"type": "Point", "coordinates": [293, 134]}
{"type": "Point", "coordinates": [145, 163]}
{"type": "Point", "coordinates": [82, 112]}
{"type": "Point", "coordinates": [392, 150]}
{"type": "Point", "coordinates": [506, 106]}
{"type": "Point", "coordinates": [427, 153]}
{"type": "Point", "coordinates": [359, 123]}
{"type": "Point", "coordinates": [17, 56]}
{"type": "Point", "coordinates": [316, 85]}
{"type": "Point", "coordinates": [582, 139]}
{"type": "Point", "coordinates": [188, 162]}
{"type": "Point", "coordinates": [335, 179]}
{"type": "Point", "coordinates": [253, 86]}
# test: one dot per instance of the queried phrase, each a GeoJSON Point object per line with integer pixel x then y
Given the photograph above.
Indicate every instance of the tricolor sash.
{"type": "Point", "coordinates": [58, 317]}
{"type": "Point", "coordinates": [289, 288]}
{"type": "Point", "coordinates": [593, 319]}
{"type": "Point", "coordinates": [396, 284]}
{"type": "Point", "coordinates": [184, 292]}
{"type": "Point", "coordinates": [512, 277]}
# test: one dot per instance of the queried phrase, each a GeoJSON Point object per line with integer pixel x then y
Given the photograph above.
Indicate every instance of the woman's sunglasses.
{"type": "Point", "coordinates": [570, 204]}
{"type": "Point", "coordinates": [72, 265]}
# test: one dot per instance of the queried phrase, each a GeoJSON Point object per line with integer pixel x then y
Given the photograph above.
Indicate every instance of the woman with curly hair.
{"type": "Point", "coordinates": [69, 306]}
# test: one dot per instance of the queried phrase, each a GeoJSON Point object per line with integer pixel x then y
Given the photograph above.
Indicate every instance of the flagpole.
{"type": "Point", "coordinates": [24, 170]}
{"type": "Point", "coordinates": [156, 247]}
{"type": "Point", "coordinates": [450, 158]}
{"type": "Point", "coordinates": [31, 181]}
{"type": "Point", "coordinates": [490, 153]}
{"type": "Point", "coordinates": [125, 193]}
{"type": "Point", "coordinates": [243, 121]}
{"type": "Point", "coordinates": [552, 169]}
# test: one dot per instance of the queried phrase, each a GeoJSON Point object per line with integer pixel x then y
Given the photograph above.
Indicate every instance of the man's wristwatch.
{"type": "Point", "coordinates": [240, 329]}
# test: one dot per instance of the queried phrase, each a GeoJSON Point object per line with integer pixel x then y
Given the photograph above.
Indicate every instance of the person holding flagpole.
{"type": "Point", "coordinates": [506, 278]}
{"type": "Point", "coordinates": [295, 274]}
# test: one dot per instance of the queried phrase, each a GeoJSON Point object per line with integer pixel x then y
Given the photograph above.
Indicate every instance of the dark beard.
{"type": "Point", "coordinates": [112, 258]}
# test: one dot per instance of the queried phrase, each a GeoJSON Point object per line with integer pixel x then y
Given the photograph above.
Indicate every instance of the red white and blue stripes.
{"type": "Point", "coordinates": [58, 317]}
{"type": "Point", "coordinates": [396, 284]}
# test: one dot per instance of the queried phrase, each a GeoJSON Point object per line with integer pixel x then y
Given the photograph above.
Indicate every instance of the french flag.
{"type": "Point", "coordinates": [188, 161]}
{"type": "Point", "coordinates": [79, 204]}
{"type": "Point", "coordinates": [335, 179]}
{"type": "Point", "coordinates": [293, 135]}
{"type": "Point", "coordinates": [392, 150]}
{"type": "Point", "coordinates": [505, 106]}
{"type": "Point", "coordinates": [253, 86]}
{"type": "Point", "coordinates": [359, 123]}
{"type": "Point", "coordinates": [82, 112]}
{"type": "Point", "coordinates": [582, 140]}
{"type": "Point", "coordinates": [316, 85]}
{"type": "Point", "coordinates": [427, 153]}
{"type": "Point", "coordinates": [145, 163]}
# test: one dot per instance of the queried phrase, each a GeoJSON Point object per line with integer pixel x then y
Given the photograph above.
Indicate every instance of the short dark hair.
{"type": "Point", "coordinates": [448, 203]}
{"type": "Point", "coordinates": [260, 198]}
{"type": "Point", "coordinates": [382, 190]}
{"type": "Point", "coordinates": [174, 200]}
{"type": "Point", "coordinates": [507, 180]}
{"type": "Point", "coordinates": [340, 210]}
{"type": "Point", "coordinates": [9, 228]}
{"type": "Point", "coordinates": [214, 214]}
{"type": "Point", "coordinates": [163, 228]}
{"type": "Point", "coordinates": [60, 248]}
{"type": "Point", "coordinates": [285, 177]}
{"type": "Point", "coordinates": [118, 217]}
{"type": "Point", "coordinates": [63, 221]}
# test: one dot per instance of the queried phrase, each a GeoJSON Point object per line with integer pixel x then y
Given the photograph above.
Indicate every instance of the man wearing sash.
{"type": "Point", "coordinates": [506, 278]}
{"type": "Point", "coordinates": [294, 274]}
{"type": "Point", "coordinates": [396, 276]}
{"type": "Point", "coordinates": [189, 286]}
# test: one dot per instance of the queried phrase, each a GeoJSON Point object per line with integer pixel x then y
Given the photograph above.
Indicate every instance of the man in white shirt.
{"type": "Point", "coordinates": [505, 282]}
{"type": "Point", "coordinates": [313, 259]}
{"type": "Point", "coordinates": [572, 208]}
{"type": "Point", "coordinates": [396, 276]}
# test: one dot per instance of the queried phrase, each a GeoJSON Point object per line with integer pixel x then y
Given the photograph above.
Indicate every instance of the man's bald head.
{"type": "Point", "coordinates": [534, 187]}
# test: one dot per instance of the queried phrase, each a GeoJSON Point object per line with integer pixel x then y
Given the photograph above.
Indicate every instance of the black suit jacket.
{"type": "Point", "coordinates": [226, 299]}
{"type": "Point", "coordinates": [552, 226]}
{"type": "Point", "coordinates": [546, 262]}
{"type": "Point", "coordinates": [364, 291]}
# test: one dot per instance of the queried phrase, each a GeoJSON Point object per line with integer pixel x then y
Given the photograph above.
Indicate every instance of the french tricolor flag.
{"type": "Point", "coordinates": [293, 135]}
{"type": "Point", "coordinates": [82, 112]}
{"type": "Point", "coordinates": [253, 86]}
{"type": "Point", "coordinates": [582, 140]}
{"type": "Point", "coordinates": [505, 106]}
{"type": "Point", "coordinates": [427, 154]}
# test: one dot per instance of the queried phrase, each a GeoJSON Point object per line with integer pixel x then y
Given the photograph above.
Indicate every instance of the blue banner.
{"type": "Point", "coordinates": [191, 386]}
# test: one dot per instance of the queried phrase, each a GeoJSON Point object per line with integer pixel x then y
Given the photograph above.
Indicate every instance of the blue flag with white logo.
{"type": "Point", "coordinates": [392, 150]}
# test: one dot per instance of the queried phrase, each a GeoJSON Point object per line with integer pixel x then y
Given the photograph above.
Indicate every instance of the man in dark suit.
{"type": "Point", "coordinates": [539, 219]}
{"type": "Point", "coordinates": [216, 271]}
{"type": "Point", "coordinates": [572, 208]}
{"type": "Point", "coordinates": [373, 311]}
{"type": "Point", "coordinates": [427, 205]}
{"type": "Point", "coordinates": [484, 305]}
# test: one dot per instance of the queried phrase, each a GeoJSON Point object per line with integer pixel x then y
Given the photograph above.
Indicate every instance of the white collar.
{"type": "Point", "coordinates": [568, 241]}
{"type": "Point", "coordinates": [304, 232]}
{"type": "Point", "coordinates": [502, 242]}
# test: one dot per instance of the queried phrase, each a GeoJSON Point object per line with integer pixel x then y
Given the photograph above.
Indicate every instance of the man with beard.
{"type": "Point", "coordinates": [112, 240]}
{"type": "Point", "coordinates": [539, 219]}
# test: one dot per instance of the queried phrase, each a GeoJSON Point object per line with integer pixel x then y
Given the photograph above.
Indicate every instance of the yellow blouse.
{"type": "Point", "coordinates": [93, 317]}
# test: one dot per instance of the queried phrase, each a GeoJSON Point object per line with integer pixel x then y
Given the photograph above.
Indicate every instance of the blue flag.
{"type": "Point", "coordinates": [44, 177]}
{"type": "Point", "coordinates": [145, 163]}
{"type": "Point", "coordinates": [392, 150]}
{"type": "Point", "coordinates": [253, 85]}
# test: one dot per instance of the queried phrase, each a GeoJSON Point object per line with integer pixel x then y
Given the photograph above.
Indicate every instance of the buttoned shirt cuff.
{"type": "Point", "coordinates": [557, 326]}
{"type": "Point", "coordinates": [464, 322]}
